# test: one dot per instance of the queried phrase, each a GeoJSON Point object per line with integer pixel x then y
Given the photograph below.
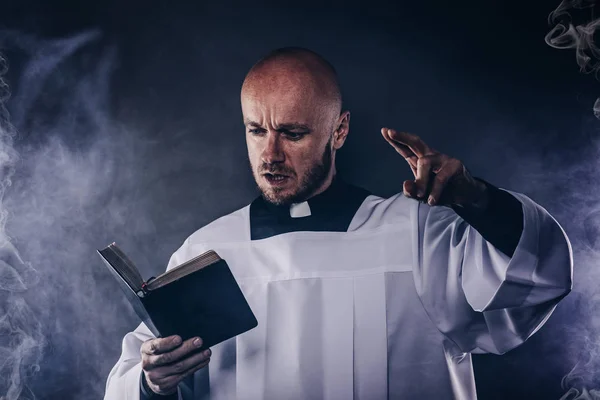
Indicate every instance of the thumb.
{"type": "Point", "coordinates": [409, 189]}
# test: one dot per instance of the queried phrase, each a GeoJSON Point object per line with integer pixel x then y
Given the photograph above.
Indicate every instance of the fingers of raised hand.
{"type": "Point", "coordinates": [432, 170]}
{"type": "Point", "coordinates": [432, 177]}
{"type": "Point", "coordinates": [424, 169]}
{"type": "Point", "coordinates": [405, 140]}
{"type": "Point", "coordinates": [449, 169]}
{"type": "Point", "coordinates": [402, 149]}
{"type": "Point", "coordinates": [426, 166]}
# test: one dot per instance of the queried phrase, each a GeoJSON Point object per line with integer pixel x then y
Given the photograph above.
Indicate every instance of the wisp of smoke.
{"type": "Point", "coordinates": [21, 340]}
{"type": "Point", "coordinates": [56, 182]}
{"type": "Point", "coordinates": [566, 35]}
{"type": "Point", "coordinates": [84, 179]}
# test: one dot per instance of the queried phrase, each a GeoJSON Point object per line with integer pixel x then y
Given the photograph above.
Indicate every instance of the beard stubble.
{"type": "Point", "coordinates": [310, 182]}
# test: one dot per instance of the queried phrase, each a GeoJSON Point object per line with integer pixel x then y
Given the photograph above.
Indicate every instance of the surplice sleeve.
{"type": "Point", "coordinates": [486, 298]}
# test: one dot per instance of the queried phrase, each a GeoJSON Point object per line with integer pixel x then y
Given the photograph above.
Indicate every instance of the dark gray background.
{"type": "Point", "coordinates": [130, 130]}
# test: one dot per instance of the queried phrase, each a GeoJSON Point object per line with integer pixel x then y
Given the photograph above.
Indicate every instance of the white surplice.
{"type": "Point", "coordinates": [390, 309]}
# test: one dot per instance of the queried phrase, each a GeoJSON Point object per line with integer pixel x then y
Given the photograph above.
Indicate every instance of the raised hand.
{"type": "Point", "coordinates": [167, 361]}
{"type": "Point", "coordinates": [439, 179]}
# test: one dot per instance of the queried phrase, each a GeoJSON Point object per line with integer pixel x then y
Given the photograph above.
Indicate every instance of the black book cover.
{"type": "Point", "coordinates": [207, 303]}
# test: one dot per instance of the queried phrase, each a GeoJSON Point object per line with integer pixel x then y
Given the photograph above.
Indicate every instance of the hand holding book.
{"type": "Point", "coordinates": [167, 361]}
{"type": "Point", "coordinates": [199, 299]}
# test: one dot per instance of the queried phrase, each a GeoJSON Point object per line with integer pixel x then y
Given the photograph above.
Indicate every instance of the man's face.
{"type": "Point", "coordinates": [289, 133]}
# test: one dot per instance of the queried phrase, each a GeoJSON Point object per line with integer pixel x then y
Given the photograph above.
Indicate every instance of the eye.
{"type": "Point", "coordinates": [294, 135]}
{"type": "Point", "coordinates": [256, 131]}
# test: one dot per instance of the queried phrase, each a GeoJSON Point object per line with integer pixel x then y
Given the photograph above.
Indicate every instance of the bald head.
{"type": "Point", "coordinates": [291, 105]}
{"type": "Point", "coordinates": [297, 71]}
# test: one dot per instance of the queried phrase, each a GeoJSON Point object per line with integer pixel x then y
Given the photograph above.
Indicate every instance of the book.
{"type": "Point", "coordinates": [197, 298]}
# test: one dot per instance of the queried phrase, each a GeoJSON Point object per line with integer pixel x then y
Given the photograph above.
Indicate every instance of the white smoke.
{"type": "Point", "coordinates": [55, 185]}
{"type": "Point", "coordinates": [21, 339]}
{"type": "Point", "coordinates": [83, 180]}
{"type": "Point", "coordinates": [583, 328]}
{"type": "Point", "coordinates": [584, 334]}
{"type": "Point", "coordinates": [566, 34]}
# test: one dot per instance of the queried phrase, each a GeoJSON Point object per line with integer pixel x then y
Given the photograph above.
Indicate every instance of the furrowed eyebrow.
{"type": "Point", "coordinates": [251, 123]}
{"type": "Point", "coordinates": [286, 126]}
{"type": "Point", "coordinates": [293, 126]}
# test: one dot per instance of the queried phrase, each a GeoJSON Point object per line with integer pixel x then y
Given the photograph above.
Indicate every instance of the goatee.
{"type": "Point", "coordinates": [309, 184]}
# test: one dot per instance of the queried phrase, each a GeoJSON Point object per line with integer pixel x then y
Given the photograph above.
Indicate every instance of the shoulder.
{"type": "Point", "coordinates": [232, 227]}
{"type": "Point", "coordinates": [376, 211]}
{"type": "Point", "coordinates": [228, 228]}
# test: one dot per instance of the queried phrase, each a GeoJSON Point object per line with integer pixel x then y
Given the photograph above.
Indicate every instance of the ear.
{"type": "Point", "coordinates": [342, 130]}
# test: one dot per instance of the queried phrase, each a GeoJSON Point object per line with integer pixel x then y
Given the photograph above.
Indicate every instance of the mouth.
{"type": "Point", "coordinates": [276, 179]}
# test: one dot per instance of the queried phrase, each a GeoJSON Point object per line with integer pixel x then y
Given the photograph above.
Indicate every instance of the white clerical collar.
{"type": "Point", "coordinates": [299, 210]}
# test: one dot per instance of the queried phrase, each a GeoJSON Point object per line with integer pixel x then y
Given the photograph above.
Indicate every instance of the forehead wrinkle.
{"type": "Point", "coordinates": [286, 95]}
{"type": "Point", "coordinates": [281, 108]}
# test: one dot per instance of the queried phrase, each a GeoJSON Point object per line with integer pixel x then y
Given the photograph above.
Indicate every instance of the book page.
{"type": "Point", "coordinates": [123, 266]}
{"type": "Point", "coordinates": [196, 263]}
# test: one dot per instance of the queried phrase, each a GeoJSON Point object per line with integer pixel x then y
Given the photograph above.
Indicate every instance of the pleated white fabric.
{"type": "Point", "coordinates": [390, 309]}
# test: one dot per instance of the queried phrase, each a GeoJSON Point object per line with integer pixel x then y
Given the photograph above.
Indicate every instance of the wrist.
{"type": "Point", "coordinates": [148, 394]}
{"type": "Point", "coordinates": [481, 199]}
{"type": "Point", "coordinates": [478, 199]}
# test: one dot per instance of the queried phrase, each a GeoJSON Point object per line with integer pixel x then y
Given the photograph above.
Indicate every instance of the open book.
{"type": "Point", "coordinates": [197, 298]}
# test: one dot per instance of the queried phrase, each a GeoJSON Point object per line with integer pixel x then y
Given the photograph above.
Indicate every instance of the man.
{"type": "Point", "coordinates": [357, 297]}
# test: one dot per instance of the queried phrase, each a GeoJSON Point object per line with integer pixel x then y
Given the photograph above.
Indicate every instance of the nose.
{"type": "Point", "coordinates": [273, 152]}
